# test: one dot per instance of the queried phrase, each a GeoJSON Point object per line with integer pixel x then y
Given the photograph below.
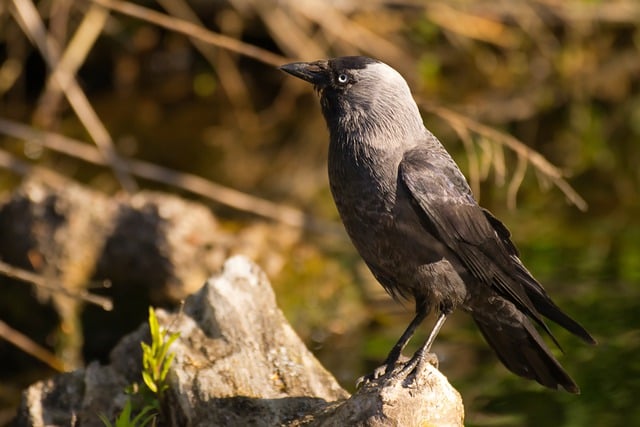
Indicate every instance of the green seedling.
{"type": "Point", "coordinates": [156, 361]}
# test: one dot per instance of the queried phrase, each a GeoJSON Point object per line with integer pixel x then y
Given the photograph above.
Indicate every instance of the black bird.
{"type": "Point", "coordinates": [412, 217]}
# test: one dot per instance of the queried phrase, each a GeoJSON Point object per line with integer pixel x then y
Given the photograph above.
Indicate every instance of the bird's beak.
{"type": "Point", "coordinates": [312, 72]}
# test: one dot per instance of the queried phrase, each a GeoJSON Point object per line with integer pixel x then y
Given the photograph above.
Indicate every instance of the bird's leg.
{"type": "Point", "coordinates": [413, 365]}
{"type": "Point", "coordinates": [422, 310]}
{"type": "Point", "coordinates": [395, 352]}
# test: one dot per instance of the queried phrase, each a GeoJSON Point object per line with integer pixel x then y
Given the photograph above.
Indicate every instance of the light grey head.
{"type": "Point", "coordinates": [362, 96]}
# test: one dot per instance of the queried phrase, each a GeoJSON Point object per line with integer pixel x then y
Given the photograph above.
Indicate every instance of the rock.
{"type": "Point", "coordinates": [154, 248]}
{"type": "Point", "coordinates": [238, 362]}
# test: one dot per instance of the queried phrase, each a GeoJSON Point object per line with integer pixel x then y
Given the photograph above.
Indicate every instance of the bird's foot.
{"type": "Point", "coordinates": [382, 371]}
{"type": "Point", "coordinates": [415, 365]}
{"type": "Point", "coordinates": [405, 370]}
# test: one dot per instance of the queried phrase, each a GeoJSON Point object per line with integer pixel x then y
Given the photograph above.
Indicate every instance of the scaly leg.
{"type": "Point", "coordinates": [422, 310]}
{"type": "Point", "coordinates": [418, 358]}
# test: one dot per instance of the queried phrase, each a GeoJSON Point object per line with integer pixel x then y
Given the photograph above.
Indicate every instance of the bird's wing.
{"type": "Point", "coordinates": [442, 197]}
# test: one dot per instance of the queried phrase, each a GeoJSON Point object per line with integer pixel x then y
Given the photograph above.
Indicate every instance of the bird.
{"type": "Point", "coordinates": [412, 217]}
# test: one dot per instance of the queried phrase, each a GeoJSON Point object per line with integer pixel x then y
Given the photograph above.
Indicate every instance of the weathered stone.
{"type": "Point", "coordinates": [238, 362]}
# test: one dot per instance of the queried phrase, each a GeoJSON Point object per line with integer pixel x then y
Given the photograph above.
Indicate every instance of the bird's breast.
{"type": "Point", "coordinates": [362, 182]}
{"type": "Point", "coordinates": [383, 225]}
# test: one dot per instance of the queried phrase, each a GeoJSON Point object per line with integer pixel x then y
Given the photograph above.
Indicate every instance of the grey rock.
{"type": "Point", "coordinates": [238, 362]}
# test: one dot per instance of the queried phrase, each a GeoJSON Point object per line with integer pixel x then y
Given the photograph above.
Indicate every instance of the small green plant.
{"type": "Point", "coordinates": [143, 418]}
{"type": "Point", "coordinates": [156, 361]}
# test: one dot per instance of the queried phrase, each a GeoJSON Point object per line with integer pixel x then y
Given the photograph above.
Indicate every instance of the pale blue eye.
{"type": "Point", "coordinates": [343, 78]}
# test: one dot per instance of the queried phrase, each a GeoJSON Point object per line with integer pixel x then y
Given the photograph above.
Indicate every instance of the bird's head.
{"type": "Point", "coordinates": [360, 94]}
{"type": "Point", "coordinates": [334, 75]}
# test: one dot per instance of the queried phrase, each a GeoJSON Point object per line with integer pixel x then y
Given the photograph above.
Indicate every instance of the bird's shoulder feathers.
{"type": "Point", "coordinates": [443, 200]}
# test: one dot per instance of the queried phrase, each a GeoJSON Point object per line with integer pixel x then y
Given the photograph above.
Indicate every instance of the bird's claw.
{"type": "Point", "coordinates": [406, 370]}
{"type": "Point", "coordinates": [385, 370]}
{"type": "Point", "coordinates": [377, 373]}
{"type": "Point", "coordinates": [415, 365]}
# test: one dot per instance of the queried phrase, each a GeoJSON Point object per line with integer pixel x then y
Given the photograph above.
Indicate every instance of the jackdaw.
{"type": "Point", "coordinates": [411, 215]}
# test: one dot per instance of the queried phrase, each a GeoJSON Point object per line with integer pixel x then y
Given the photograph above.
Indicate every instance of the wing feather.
{"type": "Point", "coordinates": [481, 242]}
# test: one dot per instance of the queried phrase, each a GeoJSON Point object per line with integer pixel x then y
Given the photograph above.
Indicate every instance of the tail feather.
{"type": "Point", "coordinates": [536, 293]}
{"type": "Point", "coordinates": [551, 311]}
{"type": "Point", "coordinates": [545, 306]}
{"type": "Point", "coordinates": [519, 346]}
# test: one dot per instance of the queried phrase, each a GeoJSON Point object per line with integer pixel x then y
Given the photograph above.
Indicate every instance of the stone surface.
{"type": "Point", "coordinates": [154, 248]}
{"type": "Point", "coordinates": [238, 362]}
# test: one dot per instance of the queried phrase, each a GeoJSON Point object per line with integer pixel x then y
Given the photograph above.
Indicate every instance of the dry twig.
{"type": "Point", "coordinates": [41, 282]}
{"type": "Point", "coordinates": [194, 184]}
{"type": "Point", "coordinates": [27, 16]}
{"type": "Point", "coordinates": [72, 59]}
{"type": "Point", "coordinates": [29, 346]}
{"type": "Point", "coordinates": [523, 152]}
{"type": "Point", "coordinates": [227, 71]}
{"type": "Point", "coordinates": [192, 30]}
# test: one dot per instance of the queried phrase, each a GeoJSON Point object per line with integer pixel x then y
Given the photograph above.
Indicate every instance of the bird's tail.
{"type": "Point", "coordinates": [519, 345]}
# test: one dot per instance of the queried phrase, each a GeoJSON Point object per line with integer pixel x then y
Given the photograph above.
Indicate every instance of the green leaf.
{"type": "Point", "coordinates": [125, 414]}
{"type": "Point", "coordinates": [149, 382]}
{"type": "Point", "coordinates": [105, 420]}
{"type": "Point", "coordinates": [148, 411]}
{"type": "Point", "coordinates": [172, 337]}
{"type": "Point", "coordinates": [166, 366]}
{"type": "Point", "coordinates": [161, 354]}
{"type": "Point", "coordinates": [154, 327]}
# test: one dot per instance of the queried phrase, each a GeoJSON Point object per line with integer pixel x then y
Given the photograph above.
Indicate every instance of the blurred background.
{"type": "Point", "coordinates": [538, 101]}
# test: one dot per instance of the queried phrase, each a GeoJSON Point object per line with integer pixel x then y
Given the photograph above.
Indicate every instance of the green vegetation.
{"type": "Point", "coordinates": [143, 418]}
{"type": "Point", "coordinates": [156, 361]}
